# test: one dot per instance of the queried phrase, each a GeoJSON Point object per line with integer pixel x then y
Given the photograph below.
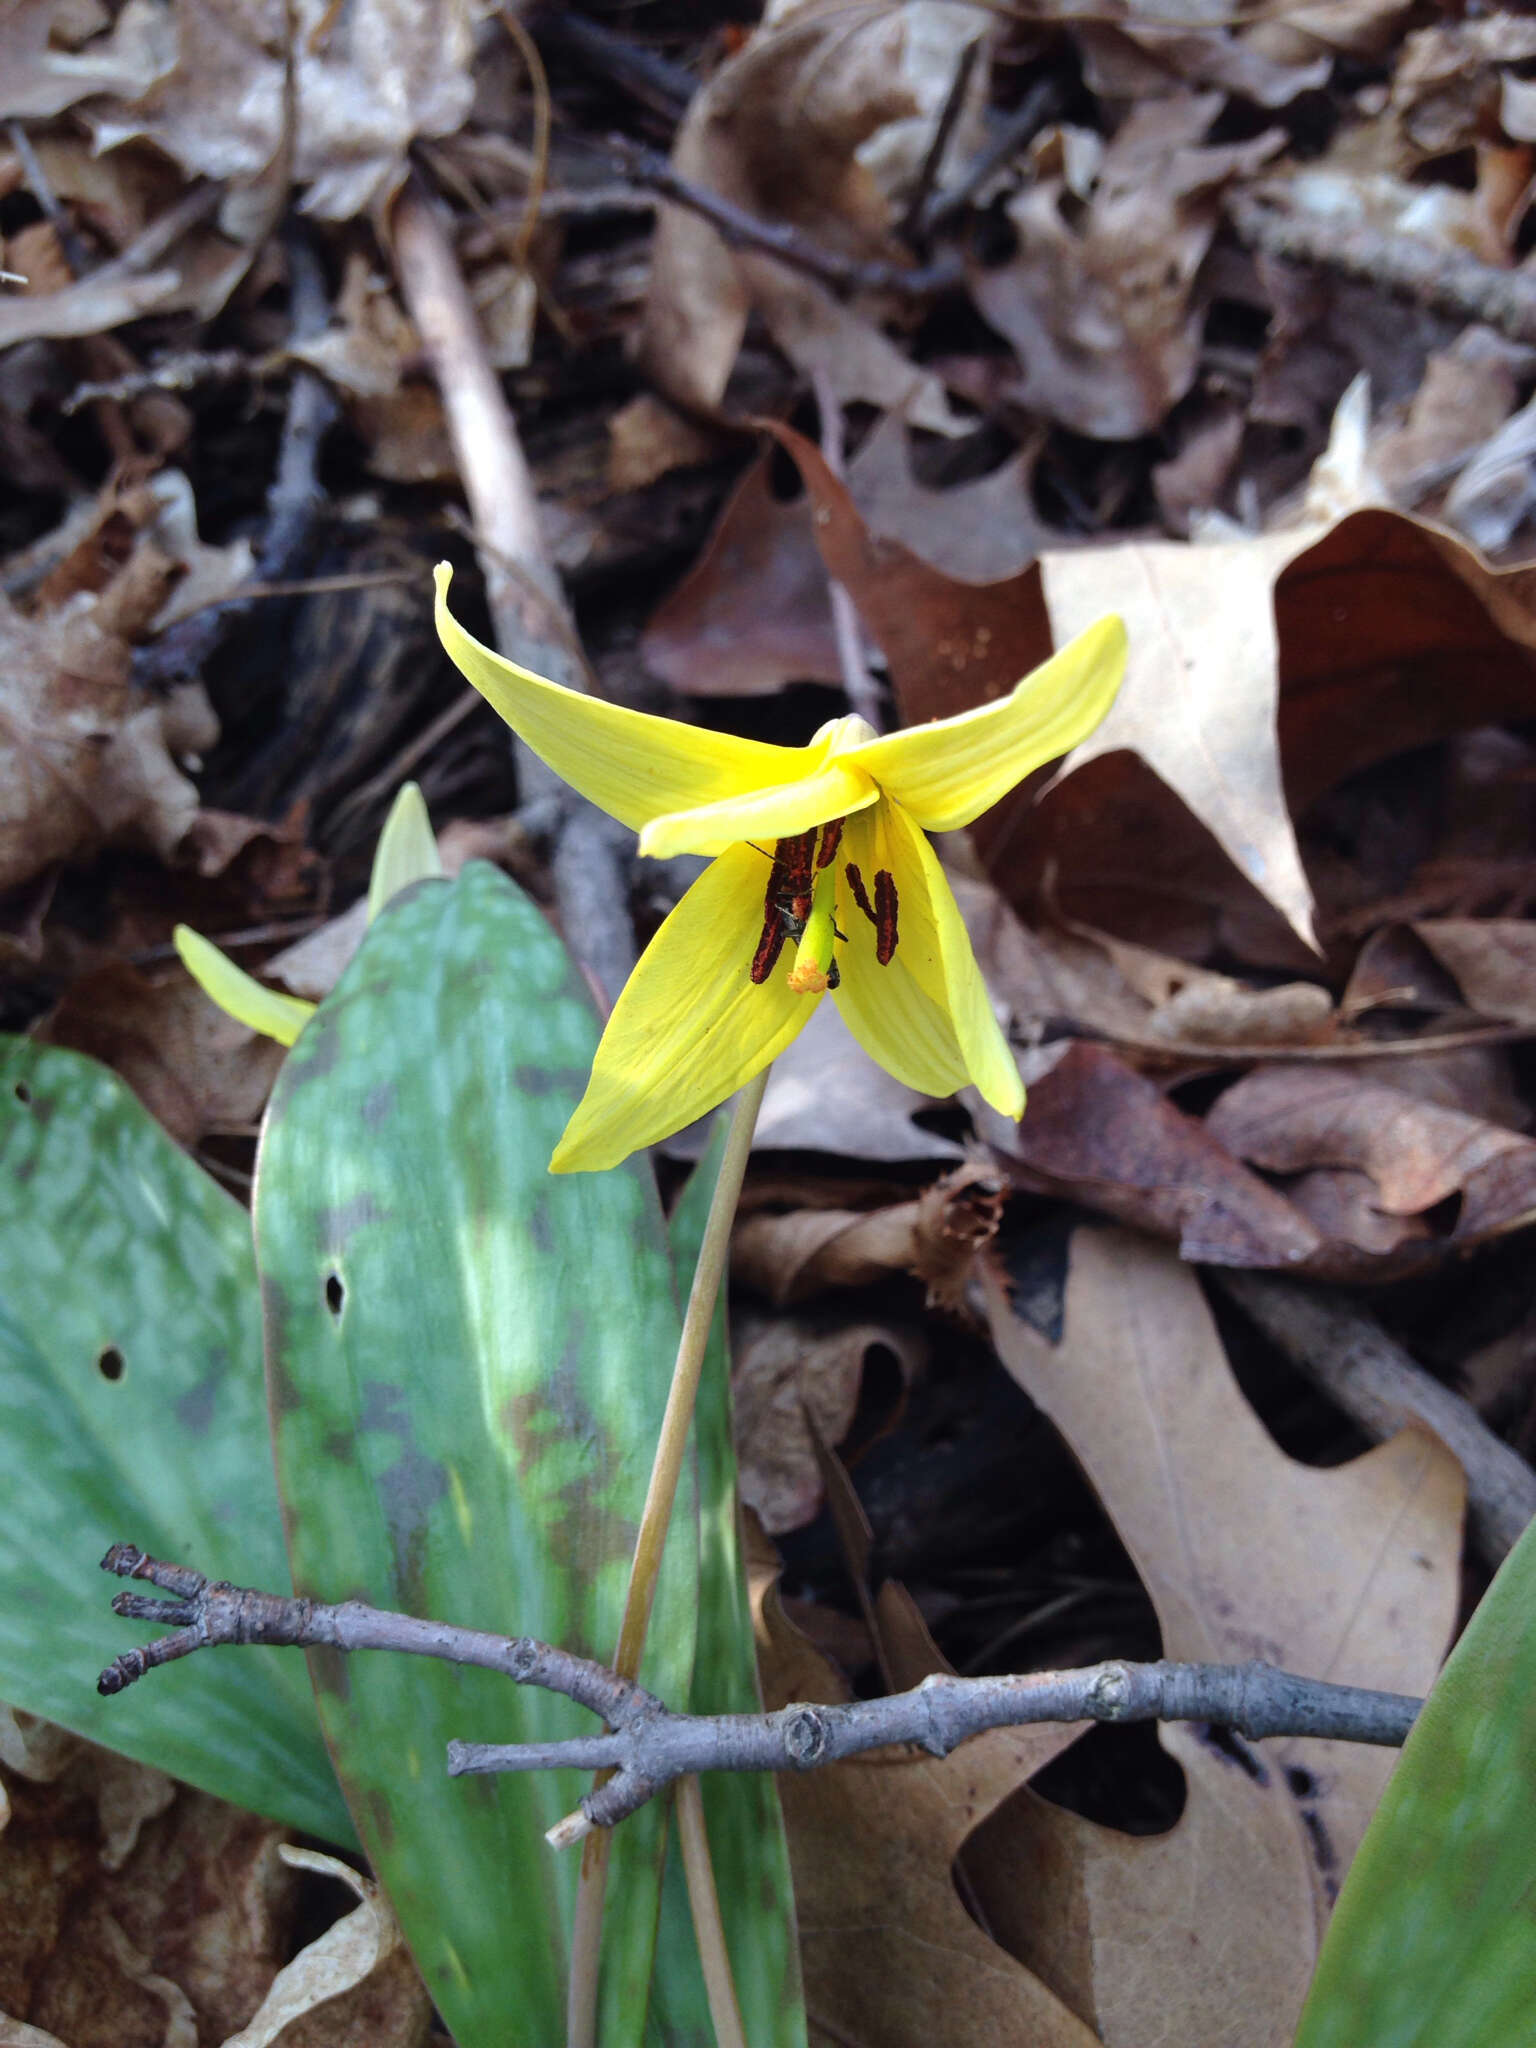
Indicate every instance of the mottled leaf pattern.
{"type": "Point", "coordinates": [467, 1361]}
{"type": "Point", "coordinates": [132, 1408]}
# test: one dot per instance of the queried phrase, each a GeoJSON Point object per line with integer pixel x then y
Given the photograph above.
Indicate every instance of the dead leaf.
{"type": "Point", "coordinates": [1493, 961]}
{"type": "Point", "coordinates": [781, 129]}
{"type": "Point", "coordinates": [792, 1257]}
{"type": "Point", "coordinates": [46, 67]}
{"type": "Point", "coordinates": [136, 1911]}
{"type": "Point", "coordinates": [1201, 687]}
{"type": "Point", "coordinates": [1098, 299]}
{"type": "Point", "coordinates": [1100, 1133]}
{"type": "Point", "coordinates": [647, 439]}
{"type": "Point", "coordinates": [753, 613]}
{"type": "Point", "coordinates": [1350, 1574]}
{"type": "Point", "coordinates": [355, 1982]}
{"type": "Point", "coordinates": [89, 757]}
{"type": "Point", "coordinates": [370, 79]}
{"type": "Point", "coordinates": [984, 531]}
{"type": "Point", "coordinates": [890, 1955]}
{"type": "Point", "coordinates": [786, 1370]}
{"type": "Point", "coordinates": [826, 1094]}
{"type": "Point", "coordinates": [196, 1070]}
{"type": "Point", "coordinates": [1418, 1154]}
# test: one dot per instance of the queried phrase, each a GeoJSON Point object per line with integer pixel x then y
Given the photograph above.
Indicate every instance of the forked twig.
{"type": "Point", "coordinates": [648, 1746]}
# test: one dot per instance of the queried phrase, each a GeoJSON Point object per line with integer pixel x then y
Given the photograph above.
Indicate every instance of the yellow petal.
{"type": "Point", "coordinates": [925, 1015]}
{"type": "Point", "coordinates": [406, 852]}
{"type": "Point", "coordinates": [948, 773]}
{"type": "Point", "coordinates": [630, 764]}
{"type": "Point", "coordinates": [690, 1025]}
{"type": "Point", "coordinates": [263, 1009]}
{"type": "Point", "coordinates": [832, 792]}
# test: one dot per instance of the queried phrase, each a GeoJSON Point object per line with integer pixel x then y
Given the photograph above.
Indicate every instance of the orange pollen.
{"type": "Point", "coordinates": [809, 979]}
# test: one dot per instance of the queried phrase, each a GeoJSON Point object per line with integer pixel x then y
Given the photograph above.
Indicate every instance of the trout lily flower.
{"type": "Point", "coordinates": [822, 881]}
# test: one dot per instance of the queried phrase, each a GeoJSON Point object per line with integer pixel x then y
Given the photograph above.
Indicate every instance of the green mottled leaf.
{"type": "Point", "coordinates": [747, 1844]}
{"type": "Point", "coordinates": [132, 1408]}
{"type": "Point", "coordinates": [1433, 1942]}
{"type": "Point", "coordinates": [467, 1361]}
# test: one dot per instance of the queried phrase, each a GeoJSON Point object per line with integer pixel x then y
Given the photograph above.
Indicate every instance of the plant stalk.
{"type": "Point", "coordinates": [655, 1519]}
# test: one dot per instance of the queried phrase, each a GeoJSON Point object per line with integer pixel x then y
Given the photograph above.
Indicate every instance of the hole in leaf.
{"type": "Point", "coordinates": [22, 1092]}
{"type": "Point", "coordinates": [335, 1294]}
{"type": "Point", "coordinates": [109, 1364]}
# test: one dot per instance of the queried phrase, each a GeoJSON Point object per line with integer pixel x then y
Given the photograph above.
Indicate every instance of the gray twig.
{"type": "Point", "coordinates": [1344, 1350]}
{"type": "Point", "coordinates": [647, 1746]}
{"type": "Point", "coordinates": [1446, 280]}
{"type": "Point", "coordinates": [294, 499]}
{"type": "Point", "coordinates": [843, 275]}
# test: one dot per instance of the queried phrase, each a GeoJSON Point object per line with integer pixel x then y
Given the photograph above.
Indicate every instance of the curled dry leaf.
{"type": "Point", "coordinates": [889, 1952]}
{"type": "Point", "coordinates": [1349, 1574]}
{"type": "Point", "coordinates": [370, 79]}
{"type": "Point", "coordinates": [1416, 1153]}
{"type": "Point", "coordinates": [791, 1258]}
{"type": "Point", "coordinates": [792, 1375]}
{"type": "Point", "coordinates": [88, 756]}
{"type": "Point", "coordinates": [779, 130]}
{"type": "Point", "coordinates": [355, 1982]}
{"type": "Point", "coordinates": [1098, 300]}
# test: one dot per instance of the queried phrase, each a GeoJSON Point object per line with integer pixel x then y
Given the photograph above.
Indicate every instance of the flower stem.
{"type": "Point", "coordinates": [655, 1518]}
{"type": "Point", "coordinates": [708, 1928]}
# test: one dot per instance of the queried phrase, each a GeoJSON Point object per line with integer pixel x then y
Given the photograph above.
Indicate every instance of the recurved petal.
{"type": "Point", "coordinates": [948, 773]}
{"type": "Point", "coordinates": [989, 1063]}
{"type": "Point", "coordinates": [767, 814]}
{"type": "Point", "coordinates": [630, 764]}
{"type": "Point", "coordinates": [264, 1009]}
{"type": "Point", "coordinates": [690, 1025]}
{"type": "Point", "coordinates": [925, 1015]}
{"type": "Point", "coordinates": [897, 1012]}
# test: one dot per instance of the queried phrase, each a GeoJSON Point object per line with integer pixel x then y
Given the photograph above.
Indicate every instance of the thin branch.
{"type": "Point", "coordinates": [1342, 1348]}
{"type": "Point", "coordinates": [1446, 280]}
{"type": "Point", "coordinates": [842, 275]}
{"type": "Point", "coordinates": [648, 1746]}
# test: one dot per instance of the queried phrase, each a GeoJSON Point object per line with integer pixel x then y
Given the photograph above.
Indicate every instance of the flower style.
{"type": "Point", "coordinates": [821, 847]}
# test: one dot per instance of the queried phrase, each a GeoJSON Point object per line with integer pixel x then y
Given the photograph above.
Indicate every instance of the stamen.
{"type": "Point", "coordinates": [856, 884]}
{"type": "Point", "coordinates": [831, 833]}
{"type": "Point", "coordinates": [881, 913]}
{"type": "Point", "coordinates": [885, 916]}
{"type": "Point", "coordinates": [769, 946]}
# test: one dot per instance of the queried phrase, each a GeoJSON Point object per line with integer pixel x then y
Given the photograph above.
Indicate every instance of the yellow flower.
{"type": "Point", "coordinates": [822, 848]}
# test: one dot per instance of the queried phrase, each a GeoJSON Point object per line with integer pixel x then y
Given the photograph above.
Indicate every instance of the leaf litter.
{"type": "Point", "coordinates": [1264, 945]}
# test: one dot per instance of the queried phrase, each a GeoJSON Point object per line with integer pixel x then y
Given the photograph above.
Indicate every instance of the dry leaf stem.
{"type": "Point", "coordinates": [842, 275]}
{"type": "Point", "coordinates": [647, 1746]}
{"type": "Point", "coordinates": [1344, 1350]}
{"type": "Point", "coordinates": [528, 612]}
{"type": "Point", "coordinates": [650, 1542]}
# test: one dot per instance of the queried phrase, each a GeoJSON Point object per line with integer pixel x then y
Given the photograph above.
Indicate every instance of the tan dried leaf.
{"type": "Point", "coordinates": [87, 757]}
{"type": "Point", "coordinates": [1349, 1574]}
{"type": "Point", "coordinates": [355, 1982]}
{"type": "Point", "coordinates": [780, 130]}
{"type": "Point", "coordinates": [890, 1954]}
{"type": "Point", "coordinates": [370, 79]}
{"type": "Point", "coordinates": [786, 1370]}
{"type": "Point", "coordinates": [1100, 310]}
{"type": "Point", "coordinates": [1291, 1119]}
